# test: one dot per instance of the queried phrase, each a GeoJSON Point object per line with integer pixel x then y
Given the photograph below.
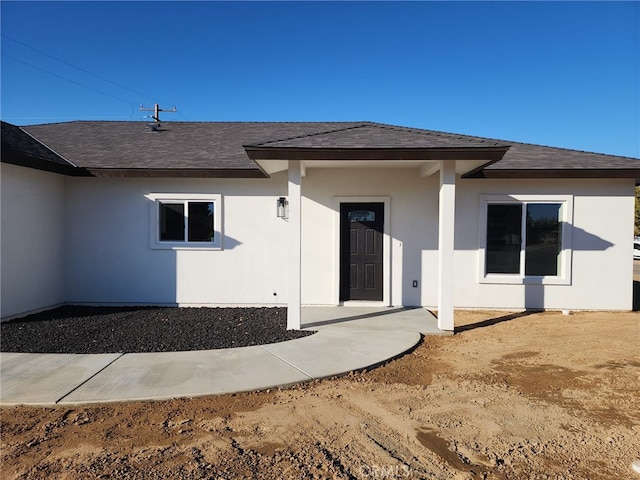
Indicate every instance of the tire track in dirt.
{"type": "Point", "coordinates": [541, 396]}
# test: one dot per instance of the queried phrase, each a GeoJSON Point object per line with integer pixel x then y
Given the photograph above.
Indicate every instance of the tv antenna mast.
{"type": "Point", "coordinates": [156, 111]}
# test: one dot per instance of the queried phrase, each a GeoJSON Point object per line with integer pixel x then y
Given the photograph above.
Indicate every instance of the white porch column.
{"type": "Point", "coordinates": [446, 230]}
{"type": "Point", "coordinates": [295, 246]}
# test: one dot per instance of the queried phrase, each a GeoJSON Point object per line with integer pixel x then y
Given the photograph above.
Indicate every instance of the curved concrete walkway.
{"type": "Point", "coordinates": [347, 339]}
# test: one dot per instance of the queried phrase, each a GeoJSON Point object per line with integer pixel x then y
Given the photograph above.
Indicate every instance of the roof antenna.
{"type": "Point", "coordinates": [156, 114]}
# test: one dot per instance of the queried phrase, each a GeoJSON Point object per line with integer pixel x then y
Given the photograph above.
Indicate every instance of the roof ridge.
{"type": "Point", "coordinates": [339, 126]}
{"type": "Point", "coordinates": [202, 122]}
{"type": "Point", "coordinates": [463, 136]}
{"type": "Point", "coordinates": [572, 150]}
{"type": "Point", "coordinates": [466, 137]}
{"type": "Point", "coordinates": [62, 157]}
{"type": "Point", "coordinates": [352, 127]}
{"type": "Point", "coordinates": [440, 133]}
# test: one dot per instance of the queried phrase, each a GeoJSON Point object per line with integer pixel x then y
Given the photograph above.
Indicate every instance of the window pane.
{"type": "Point", "coordinates": [172, 222]}
{"type": "Point", "coordinates": [544, 239]}
{"type": "Point", "coordinates": [362, 216]}
{"type": "Point", "coordinates": [504, 223]}
{"type": "Point", "coordinates": [200, 221]}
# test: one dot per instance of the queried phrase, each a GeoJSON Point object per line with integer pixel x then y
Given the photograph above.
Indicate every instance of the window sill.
{"type": "Point", "coordinates": [519, 280]}
{"type": "Point", "coordinates": [185, 246]}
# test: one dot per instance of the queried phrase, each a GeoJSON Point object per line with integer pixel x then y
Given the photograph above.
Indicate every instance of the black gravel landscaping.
{"type": "Point", "coordinates": [79, 329]}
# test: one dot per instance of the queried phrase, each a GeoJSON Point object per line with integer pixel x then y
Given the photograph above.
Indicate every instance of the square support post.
{"type": "Point", "coordinates": [446, 239]}
{"type": "Point", "coordinates": [295, 246]}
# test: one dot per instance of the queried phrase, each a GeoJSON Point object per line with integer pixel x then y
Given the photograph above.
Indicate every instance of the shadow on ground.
{"type": "Point", "coordinates": [493, 321]}
{"type": "Point", "coordinates": [513, 316]}
{"type": "Point", "coordinates": [349, 318]}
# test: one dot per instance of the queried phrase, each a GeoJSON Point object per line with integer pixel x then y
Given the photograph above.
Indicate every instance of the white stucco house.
{"type": "Point", "coordinates": [319, 213]}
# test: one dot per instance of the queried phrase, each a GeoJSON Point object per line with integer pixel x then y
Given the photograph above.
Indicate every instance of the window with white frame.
{"type": "Point", "coordinates": [186, 221]}
{"type": "Point", "coordinates": [525, 239]}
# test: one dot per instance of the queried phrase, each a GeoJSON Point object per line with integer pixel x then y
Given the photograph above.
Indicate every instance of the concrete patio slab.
{"type": "Point", "coordinates": [335, 351]}
{"type": "Point", "coordinates": [30, 378]}
{"type": "Point", "coordinates": [347, 339]}
{"type": "Point", "coordinates": [138, 376]}
{"type": "Point", "coordinates": [372, 318]}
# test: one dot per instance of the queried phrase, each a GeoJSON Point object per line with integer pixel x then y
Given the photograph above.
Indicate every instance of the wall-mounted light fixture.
{"type": "Point", "coordinates": [283, 207]}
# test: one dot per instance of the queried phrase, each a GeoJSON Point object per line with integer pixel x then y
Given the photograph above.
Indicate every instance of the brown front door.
{"type": "Point", "coordinates": [361, 234]}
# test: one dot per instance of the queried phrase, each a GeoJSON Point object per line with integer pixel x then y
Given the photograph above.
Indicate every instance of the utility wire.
{"type": "Point", "coordinates": [68, 79]}
{"type": "Point", "coordinates": [76, 67]}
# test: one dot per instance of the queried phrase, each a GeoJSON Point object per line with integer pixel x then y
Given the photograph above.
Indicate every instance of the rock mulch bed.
{"type": "Point", "coordinates": [79, 329]}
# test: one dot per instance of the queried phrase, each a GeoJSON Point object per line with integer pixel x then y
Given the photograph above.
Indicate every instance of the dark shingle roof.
{"type": "Point", "coordinates": [526, 156]}
{"type": "Point", "coordinates": [177, 146]}
{"type": "Point", "coordinates": [536, 161]}
{"type": "Point", "coordinates": [20, 148]}
{"type": "Point", "coordinates": [374, 135]}
{"type": "Point", "coordinates": [221, 148]}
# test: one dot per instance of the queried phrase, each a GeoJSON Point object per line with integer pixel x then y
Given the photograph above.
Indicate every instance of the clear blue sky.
{"type": "Point", "coordinates": [564, 74]}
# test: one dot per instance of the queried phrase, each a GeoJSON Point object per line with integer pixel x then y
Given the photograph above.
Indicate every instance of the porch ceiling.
{"type": "Point", "coordinates": [424, 168]}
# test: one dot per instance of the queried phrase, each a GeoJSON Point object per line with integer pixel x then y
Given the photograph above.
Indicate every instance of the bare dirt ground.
{"type": "Point", "coordinates": [522, 396]}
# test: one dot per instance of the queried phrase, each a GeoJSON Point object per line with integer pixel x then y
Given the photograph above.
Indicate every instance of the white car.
{"type": "Point", "coordinates": [636, 248]}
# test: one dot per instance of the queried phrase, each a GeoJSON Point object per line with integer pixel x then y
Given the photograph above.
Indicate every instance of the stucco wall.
{"type": "Point", "coordinates": [110, 259]}
{"type": "Point", "coordinates": [32, 239]}
{"type": "Point", "coordinates": [412, 222]}
{"type": "Point", "coordinates": [87, 240]}
{"type": "Point", "coordinates": [601, 230]}
{"type": "Point", "coordinates": [602, 236]}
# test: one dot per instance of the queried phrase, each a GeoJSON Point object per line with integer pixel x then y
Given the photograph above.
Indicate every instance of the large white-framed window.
{"type": "Point", "coordinates": [186, 221]}
{"type": "Point", "coordinates": [525, 239]}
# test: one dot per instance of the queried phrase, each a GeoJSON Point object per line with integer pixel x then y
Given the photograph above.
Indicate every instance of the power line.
{"type": "Point", "coordinates": [67, 79]}
{"type": "Point", "coordinates": [80, 69]}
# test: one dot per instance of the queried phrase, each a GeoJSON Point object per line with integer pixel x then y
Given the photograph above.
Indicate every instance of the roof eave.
{"type": "Point", "coordinates": [17, 158]}
{"type": "Point", "coordinates": [178, 172]}
{"type": "Point", "coordinates": [490, 154]}
{"type": "Point", "coordinates": [556, 173]}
